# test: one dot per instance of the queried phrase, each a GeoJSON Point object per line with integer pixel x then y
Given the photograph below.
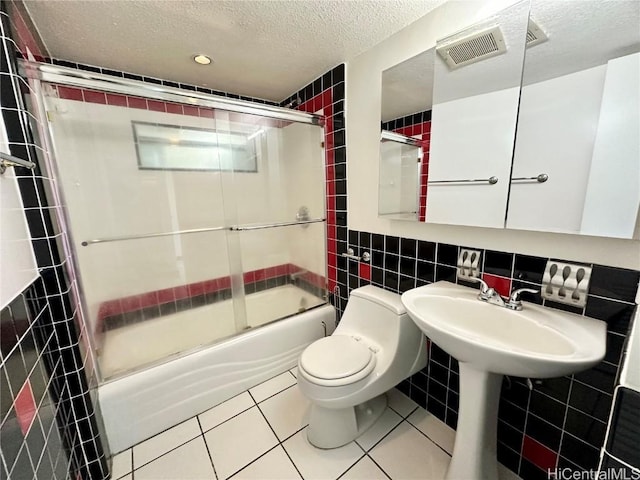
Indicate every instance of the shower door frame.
{"type": "Point", "coordinates": [38, 72]}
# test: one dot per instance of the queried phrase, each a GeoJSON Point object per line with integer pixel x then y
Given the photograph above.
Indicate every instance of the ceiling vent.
{"type": "Point", "coordinates": [535, 34]}
{"type": "Point", "coordinates": [472, 48]}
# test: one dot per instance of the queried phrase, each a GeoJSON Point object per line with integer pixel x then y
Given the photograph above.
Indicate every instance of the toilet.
{"type": "Point", "coordinates": [345, 375]}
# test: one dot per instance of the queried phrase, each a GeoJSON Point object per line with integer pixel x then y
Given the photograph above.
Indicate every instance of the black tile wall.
{"type": "Point", "coordinates": [407, 121]}
{"type": "Point", "coordinates": [567, 416]}
{"type": "Point", "coordinates": [339, 273]}
{"type": "Point", "coordinates": [624, 435]}
{"type": "Point", "coordinates": [46, 374]}
{"type": "Point", "coordinates": [33, 449]}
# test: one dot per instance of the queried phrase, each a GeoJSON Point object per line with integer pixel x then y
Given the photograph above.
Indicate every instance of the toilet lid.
{"type": "Point", "coordinates": [336, 356]}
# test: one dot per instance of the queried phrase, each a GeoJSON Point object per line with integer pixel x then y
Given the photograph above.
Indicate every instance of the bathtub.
{"type": "Point", "coordinates": [147, 402]}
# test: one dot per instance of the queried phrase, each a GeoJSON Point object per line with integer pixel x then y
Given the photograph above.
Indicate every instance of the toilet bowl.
{"type": "Point", "coordinates": [345, 376]}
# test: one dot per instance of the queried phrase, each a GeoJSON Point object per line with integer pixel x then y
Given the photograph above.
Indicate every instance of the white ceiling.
{"type": "Point", "coordinates": [582, 34]}
{"type": "Point", "coordinates": [266, 49]}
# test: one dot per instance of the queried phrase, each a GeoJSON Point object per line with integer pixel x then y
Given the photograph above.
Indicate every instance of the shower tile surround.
{"type": "Point", "coordinates": [326, 95]}
{"type": "Point", "coordinates": [146, 306]}
{"type": "Point", "coordinates": [560, 422]}
{"type": "Point", "coordinates": [46, 365]}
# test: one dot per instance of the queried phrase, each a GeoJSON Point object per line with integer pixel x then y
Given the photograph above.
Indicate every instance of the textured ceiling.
{"type": "Point", "coordinates": [582, 34]}
{"type": "Point", "coordinates": [263, 49]}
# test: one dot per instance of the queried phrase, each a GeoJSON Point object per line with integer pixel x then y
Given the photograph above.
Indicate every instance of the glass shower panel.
{"type": "Point", "coordinates": [283, 265]}
{"type": "Point", "coordinates": [291, 276]}
{"type": "Point", "coordinates": [288, 178]}
{"type": "Point", "coordinates": [142, 185]}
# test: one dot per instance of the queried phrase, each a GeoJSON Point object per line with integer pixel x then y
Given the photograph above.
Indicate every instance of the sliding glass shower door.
{"type": "Point", "coordinates": [189, 224]}
{"type": "Point", "coordinates": [278, 222]}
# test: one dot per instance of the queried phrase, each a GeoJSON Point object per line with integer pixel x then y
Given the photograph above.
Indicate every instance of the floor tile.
{"type": "Point", "coordinates": [272, 386]}
{"type": "Point", "coordinates": [438, 431]}
{"type": "Point", "coordinates": [365, 469]}
{"type": "Point", "coordinates": [121, 464]}
{"type": "Point", "coordinates": [407, 454]}
{"type": "Point", "coordinates": [223, 412]}
{"type": "Point", "coordinates": [400, 402]}
{"type": "Point", "coordinates": [286, 412]}
{"type": "Point", "coordinates": [163, 442]}
{"type": "Point", "coordinates": [294, 371]}
{"type": "Point", "coordinates": [314, 463]}
{"type": "Point", "coordinates": [239, 441]}
{"type": "Point", "coordinates": [188, 462]}
{"type": "Point", "coordinates": [273, 465]}
{"type": "Point", "coordinates": [387, 421]}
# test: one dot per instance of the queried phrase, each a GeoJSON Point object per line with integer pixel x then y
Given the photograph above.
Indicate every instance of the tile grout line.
{"type": "Point", "coordinates": [206, 445]}
{"type": "Point", "coordinates": [278, 439]}
{"type": "Point", "coordinates": [277, 393]}
{"type": "Point", "coordinates": [378, 465]}
{"type": "Point", "coordinates": [428, 437]}
{"type": "Point", "coordinates": [165, 453]}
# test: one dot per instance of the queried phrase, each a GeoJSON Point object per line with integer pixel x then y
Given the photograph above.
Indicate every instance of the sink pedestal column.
{"type": "Point", "coordinates": [474, 452]}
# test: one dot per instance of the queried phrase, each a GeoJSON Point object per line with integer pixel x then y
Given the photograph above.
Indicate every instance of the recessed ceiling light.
{"type": "Point", "coordinates": [202, 59]}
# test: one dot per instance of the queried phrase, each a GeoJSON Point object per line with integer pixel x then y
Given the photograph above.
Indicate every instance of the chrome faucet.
{"type": "Point", "coordinates": [489, 295]}
{"type": "Point", "coordinates": [514, 302]}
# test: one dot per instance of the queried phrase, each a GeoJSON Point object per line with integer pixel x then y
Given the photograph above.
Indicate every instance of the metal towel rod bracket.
{"type": "Point", "coordinates": [351, 254]}
{"type": "Point", "coordinates": [7, 160]}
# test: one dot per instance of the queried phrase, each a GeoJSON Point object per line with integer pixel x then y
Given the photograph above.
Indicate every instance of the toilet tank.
{"type": "Point", "coordinates": [377, 314]}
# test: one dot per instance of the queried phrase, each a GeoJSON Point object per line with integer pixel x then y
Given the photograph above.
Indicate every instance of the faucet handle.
{"type": "Point", "coordinates": [514, 299]}
{"type": "Point", "coordinates": [484, 288]}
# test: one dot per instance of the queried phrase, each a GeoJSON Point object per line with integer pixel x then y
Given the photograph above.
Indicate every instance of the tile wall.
{"type": "Point", "coordinates": [559, 422]}
{"type": "Point", "coordinates": [32, 443]}
{"type": "Point", "coordinates": [621, 449]}
{"type": "Point", "coordinates": [146, 306]}
{"type": "Point", "coordinates": [44, 342]}
{"type": "Point", "coordinates": [326, 95]}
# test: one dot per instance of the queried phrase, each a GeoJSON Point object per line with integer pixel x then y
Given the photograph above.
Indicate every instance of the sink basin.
{"type": "Point", "coordinates": [535, 342]}
{"type": "Point", "coordinates": [490, 341]}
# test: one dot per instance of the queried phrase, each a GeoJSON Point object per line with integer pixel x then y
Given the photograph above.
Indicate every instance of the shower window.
{"type": "Point", "coordinates": [174, 147]}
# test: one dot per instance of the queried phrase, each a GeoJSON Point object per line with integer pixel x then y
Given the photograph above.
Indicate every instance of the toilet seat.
{"type": "Point", "coordinates": [337, 360]}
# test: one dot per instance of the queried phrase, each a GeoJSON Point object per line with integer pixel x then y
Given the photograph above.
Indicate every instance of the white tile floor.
{"type": "Point", "coordinates": [261, 435]}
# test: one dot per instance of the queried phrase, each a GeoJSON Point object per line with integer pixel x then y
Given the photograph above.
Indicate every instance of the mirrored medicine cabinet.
{"type": "Point", "coordinates": [528, 120]}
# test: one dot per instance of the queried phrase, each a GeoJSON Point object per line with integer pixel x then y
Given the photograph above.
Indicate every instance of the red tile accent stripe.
{"type": "Point", "coordinates": [148, 299]}
{"type": "Point", "coordinates": [324, 102]}
{"type": "Point", "coordinates": [502, 285]}
{"type": "Point", "coordinates": [25, 407]}
{"type": "Point", "coordinates": [25, 39]}
{"type": "Point", "coordinates": [542, 456]}
{"type": "Point", "coordinates": [114, 99]}
{"type": "Point", "coordinates": [365, 271]}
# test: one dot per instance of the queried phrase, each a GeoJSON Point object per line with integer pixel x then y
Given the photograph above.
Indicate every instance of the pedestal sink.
{"type": "Point", "coordinates": [490, 341]}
